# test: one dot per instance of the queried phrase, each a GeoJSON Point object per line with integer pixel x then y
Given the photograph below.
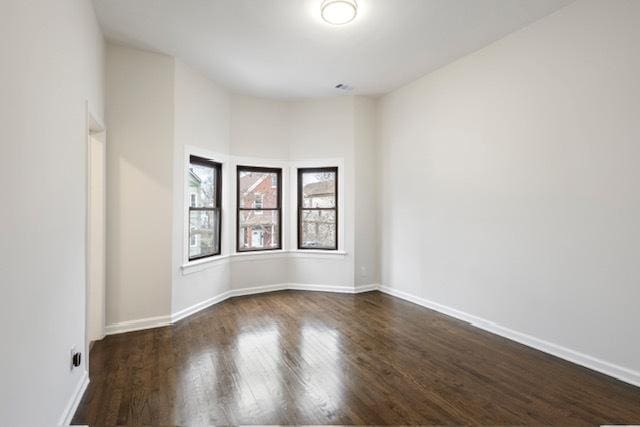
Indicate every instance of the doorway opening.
{"type": "Point", "coordinates": [96, 233]}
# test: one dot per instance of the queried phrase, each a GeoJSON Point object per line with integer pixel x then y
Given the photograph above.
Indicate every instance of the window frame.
{"type": "Point", "coordinates": [217, 170]}
{"type": "Point", "coordinates": [300, 207]}
{"type": "Point", "coordinates": [260, 169]}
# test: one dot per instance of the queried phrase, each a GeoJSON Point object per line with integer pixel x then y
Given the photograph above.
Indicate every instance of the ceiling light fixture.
{"type": "Point", "coordinates": [339, 12]}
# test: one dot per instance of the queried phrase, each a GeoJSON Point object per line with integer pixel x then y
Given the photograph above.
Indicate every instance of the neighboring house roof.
{"type": "Point", "coordinates": [322, 188]}
{"type": "Point", "coordinates": [194, 176]}
{"type": "Point", "coordinates": [251, 181]}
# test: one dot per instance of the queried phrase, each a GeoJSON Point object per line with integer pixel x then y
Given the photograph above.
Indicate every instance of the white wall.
{"type": "Point", "coordinates": [510, 182]}
{"type": "Point", "coordinates": [202, 120]}
{"type": "Point", "coordinates": [140, 159]}
{"type": "Point", "coordinates": [191, 114]}
{"type": "Point", "coordinates": [96, 239]}
{"type": "Point", "coordinates": [260, 130]}
{"type": "Point", "coordinates": [297, 131]}
{"type": "Point", "coordinates": [52, 63]}
{"type": "Point", "coordinates": [323, 129]}
{"type": "Point", "coordinates": [259, 127]}
{"type": "Point", "coordinates": [265, 130]}
{"type": "Point", "coordinates": [366, 260]}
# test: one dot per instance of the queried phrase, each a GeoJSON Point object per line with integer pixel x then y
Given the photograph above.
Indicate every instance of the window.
{"type": "Point", "coordinates": [318, 208]}
{"type": "Point", "coordinates": [259, 209]}
{"type": "Point", "coordinates": [205, 179]}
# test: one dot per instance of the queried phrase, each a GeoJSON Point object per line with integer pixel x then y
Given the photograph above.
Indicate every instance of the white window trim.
{"type": "Point", "coordinates": [261, 163]}
{"type": "Point", "coordinates": [317, 163]}
{"type": "Point", "coordinates": [224, 161]}
{"type": "Point", "coordinates": [289, 209]}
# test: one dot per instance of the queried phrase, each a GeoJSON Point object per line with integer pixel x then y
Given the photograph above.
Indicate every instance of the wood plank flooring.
{"type": "Point", "coordinates": [295, 357]}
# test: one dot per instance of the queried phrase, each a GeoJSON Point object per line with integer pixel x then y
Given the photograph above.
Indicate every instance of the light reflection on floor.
{"type": "Point", "coordinates": [323, 369]}
{"type": "Point", "coordinates": [257, 359]}
{"type": "Point", "coordinates": [259, 362]}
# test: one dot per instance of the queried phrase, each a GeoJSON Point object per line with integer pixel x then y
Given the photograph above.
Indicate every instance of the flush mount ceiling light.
{"type": "Point", "coordinates": [338, 12]}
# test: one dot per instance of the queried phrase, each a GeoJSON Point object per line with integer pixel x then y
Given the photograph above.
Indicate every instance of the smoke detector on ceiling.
{"type": "Point", "coordinates": [344, 87]}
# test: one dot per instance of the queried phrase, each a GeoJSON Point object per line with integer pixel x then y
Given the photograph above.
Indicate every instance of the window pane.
{"type": "Point", "coordinates": [318, 229]}
{"type": "Point", "coordinates": [319, 189]}
{"type": "Point", "coordinates": [258, 230]}
{"type": "Point", "coordinates": [258, 189]}
{"type": "Point", "coordinates": [203, 233]}
{"type": "Point", "coordinates": [202, 186]}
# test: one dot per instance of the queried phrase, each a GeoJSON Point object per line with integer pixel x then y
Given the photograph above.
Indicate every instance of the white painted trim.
{"type": "Point", "coordinates": [366, 288]}
{"type": "Point", "coordinates": [316, 253]}
{"type": "Point", "coordinates": [260, 162]}
{"type": "Point", "coordinates": [258, 290]}
{"type": "Point", "coordinates": [74, 401]}
{"type": "Point", "coordinates": [593, 363]}
{"type": "Point", "coordinates": [138, 325]}
{"type": "Point", "coordinates": [228, 208]}
{"type": "Point", "coordinates": [623, 374]}
{"type": "Point", "coordinates": [160, 321]}
{"type": "Point", "coordinates": [223, 159]}
{"type": "Point", "coordinates": [95, 129]}
{"type": "Point", "coordinates": [257, 255]}
{"type": "Point", "coordinates": [179, 315]}
{"type": "Point", "coordinates": [285, 219]}
{"type": "Point", "coordinates": [328, 288]}
{"type": "Point", "coordinates": [294, 165]}
{"type": "Point", "coordinates": [205, 263]}
{"type": "Point", "coordinates": [432, 305]}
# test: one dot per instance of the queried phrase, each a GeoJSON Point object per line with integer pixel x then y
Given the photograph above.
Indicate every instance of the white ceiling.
{"type": "Point", "coordinates": [282, 48]}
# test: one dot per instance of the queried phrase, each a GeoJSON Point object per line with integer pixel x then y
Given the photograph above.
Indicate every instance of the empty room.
{"type": "Point", "coordinates": [320, 212]}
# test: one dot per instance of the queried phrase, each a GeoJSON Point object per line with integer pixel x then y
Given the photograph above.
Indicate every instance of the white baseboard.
{"type": "Point", "coordinates": [623, 374]}
{"type": "Point", "coordinates": [328, 288]}
{"type": "Point", "coordinates": [159, 321]}
{"type": "Point", "coordinates": [137, 325]}
{"type": "Point", "coordinates": [257, 290]}
{"type": "Point", "coordinates": [199, 307]}
{"type": "Point", "coordinates": [366, 288]}
{"type": "Point", "coordinates": [74, 401]}
{"type": "Point", "coordinates": [432, 305]}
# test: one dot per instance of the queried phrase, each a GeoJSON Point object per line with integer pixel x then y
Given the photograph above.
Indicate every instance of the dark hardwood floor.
{"type": "Point", "coordinates": [296, 357]}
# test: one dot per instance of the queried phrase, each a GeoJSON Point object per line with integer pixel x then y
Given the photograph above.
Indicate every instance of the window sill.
{"type": "Point", "coordinates": [203, 264]}
{"type": "Point", "coordinates": [255, 255]}
{"type": "Point", "coordinates": [297, 253]}
{"type": "Point", "coordinates": [317, 253]}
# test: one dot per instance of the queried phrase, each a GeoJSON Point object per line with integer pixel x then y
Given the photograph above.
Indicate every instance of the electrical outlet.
{"type": "Point", "coordinates": [71, 353]}
{"type": "Point", "coordinates": [363, 272]}
{"type": "Point", "coordinates": [76, 358]}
